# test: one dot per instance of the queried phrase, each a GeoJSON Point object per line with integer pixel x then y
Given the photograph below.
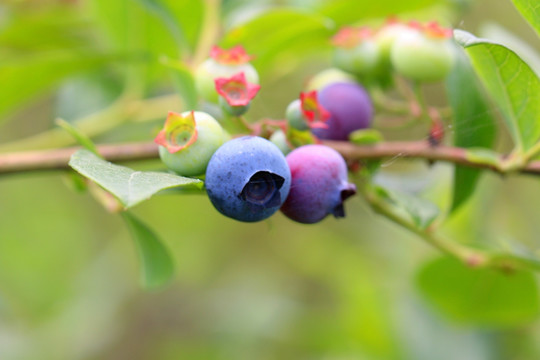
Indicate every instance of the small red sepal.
{"type": "Point", "coordinates": [234, 56]}
{"type": "Point", "coordinates": [178, 133]}
{"type": "Point", "coordinates": [315, 114]}
{"type": "Point", "coordinates": [236, 90]}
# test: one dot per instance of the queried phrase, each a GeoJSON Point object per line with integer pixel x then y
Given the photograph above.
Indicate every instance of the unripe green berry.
{"type": "Point", "coordinates": [280, 140]}
{"type": "Point", "coordinates": [327, 77]}
{"type": "Point", "coordinates": [359, 60]}
{"type": "Point", "coordinates": [387, 35]}
{"type": "Point", "coordinates": [422, 58]}
{"type": "Point", "coordinates": [294, 116]}
{"type": "Point", "coordinates": [188, 141]}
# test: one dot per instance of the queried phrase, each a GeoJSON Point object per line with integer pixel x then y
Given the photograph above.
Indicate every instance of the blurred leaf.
{"type": "Point", "coordinates": [152, 26]}
{"type": "Point", "coordinates": [512, 84]}
{"type": "Point", "coordinates": [366, 136]}
{"type": "Point", "coordinates": [82, 139]}
{"type": "Point", "coordinates": [479, 296]}
{"type": "Point", "coordinates": [183, 81]}
{"type": "Point", "coordinates": [134, 29]}
{"type": "Point", "coordinates": [344, 12]}
{"type": "Point", "coordinates": [421, 212]}
{"type": "Point", "coordinates": [157, 263]}
{"type": "Point", "coordinates": [512, 249]}
{"type": "Point", "coordinates": [280, 33]}
{"type": "Point", "coordinates": [129, 186]}
{"type": "Point", "coordinates": [57, 29]}
{"type": "Point", "coordinates": [300, 137]}
{"type": "Point", "coordinates": [473, 124]}
{"type": "Point", "coordinates": [482, 156]}
{"type": "Point", "coordinates": [75, 181]}
{"type": "Point", "coordinates": [181, 17]}
{"type": "Point", "coordinates": [26, 77]}
{"type": "Point", "coordinates": [530, 9]}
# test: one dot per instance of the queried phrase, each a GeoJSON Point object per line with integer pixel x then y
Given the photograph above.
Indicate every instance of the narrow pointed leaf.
{"type": "Point", "coordinates": [129, 186]}
{"type": "Point", "coordinates": [512, 84]}
{"type": "Point", "coordinates": [473, 123]}
{"type": "Point", "coordinates": [81, 138]}
{"type": "Point", "coordinates": [420, 211]}
{"type": "Point", "coordinates": [366, 137]}
{"type": "Point", "coordinates": [157, 266]}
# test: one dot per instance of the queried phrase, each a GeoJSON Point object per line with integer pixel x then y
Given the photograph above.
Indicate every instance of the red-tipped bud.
{"type": "Point", "coordinates": [348, 37]}
{"type": "Point", "coordinates": [435, 30]}
{"type": "Point", "coordinates": [236, 90]}
{"type": "Point", "coordinates": [234, 56]}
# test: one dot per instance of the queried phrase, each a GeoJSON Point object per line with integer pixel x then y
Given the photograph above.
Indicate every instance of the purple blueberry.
{"type": "Point", "coordinates": [248, 179]}
{"type": "Point", "coordinates": [319, 184]}
{"type": "Point", "coordinates": [350, 109]}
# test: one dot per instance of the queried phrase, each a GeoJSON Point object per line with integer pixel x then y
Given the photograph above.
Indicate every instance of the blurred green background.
{"type": "Point", "coordinates": [342, 289]}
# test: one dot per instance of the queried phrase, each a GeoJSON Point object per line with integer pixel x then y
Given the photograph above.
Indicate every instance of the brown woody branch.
{"type": "Point", "coordinates": [58, 159]}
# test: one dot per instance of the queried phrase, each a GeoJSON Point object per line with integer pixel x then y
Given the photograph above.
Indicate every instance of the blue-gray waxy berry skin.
{"type": "Point", "coordinates": [248, 179]}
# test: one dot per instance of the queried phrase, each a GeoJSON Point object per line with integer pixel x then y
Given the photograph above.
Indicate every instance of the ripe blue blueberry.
{"type": "Point", "coordinates": [350, 109]}
{"type": "Point", "coordinates": [248, 179]}
{"type": "Point", "coordinates": [319, 184]}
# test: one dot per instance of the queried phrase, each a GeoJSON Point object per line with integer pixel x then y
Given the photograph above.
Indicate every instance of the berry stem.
{"type": "Point", "coordinates": [471, 257]}
{"type": "Point", "coordinates": [209, 31]}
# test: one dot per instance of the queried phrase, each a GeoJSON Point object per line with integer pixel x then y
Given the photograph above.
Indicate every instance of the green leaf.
{"type": "Point", "coordinates": [279, 35]}
{"type": "Point", "coordinates": [129, 186]}
{"type": "Point", "coordinates": [344, 12]}
{"type": "Point", "coordinates": [512, 84]}
{"type": "Point", "coordinates": [57, 27]}
{"type": "Point", "coordinates": [420, 211]}
{"type": "Point", "coordinates": [77, 135]}
{"type": "Point", "coordinates": [181, 17]}
{"type": "Point", "coordinates": [530, 9]}
{"type": "Point", "coordinates": [157, 263]}
{"type": "Point", "coordinates": [134, 29]}
{"type": "Point", "coordinates": [366, 137]}
{"type": "Point", "coordinates": [473, 124]}
{"type": "Point", "coordinates": [183, 81]}
{"type": "Point", "coordinates": [529, 54]}
{"type": "Point", "coordinates": [483, 156]}
{"type": "Point", "coordinates": [479, 296]}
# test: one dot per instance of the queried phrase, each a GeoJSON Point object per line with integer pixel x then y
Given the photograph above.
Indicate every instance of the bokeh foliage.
{"type": "Point", "coordinates": [360, 288]}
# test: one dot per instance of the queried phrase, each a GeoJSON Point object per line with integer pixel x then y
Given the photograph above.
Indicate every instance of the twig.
{"type": "Point", "coordinates": [57, 159]}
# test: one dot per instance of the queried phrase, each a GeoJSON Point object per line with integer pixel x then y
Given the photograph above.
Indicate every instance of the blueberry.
{"type": "Point", "coordinates": [350, 109]}
{"type": "Point", "coordinates": [319, 184]}
{"type": "Point", "coordinates": [248, 179]}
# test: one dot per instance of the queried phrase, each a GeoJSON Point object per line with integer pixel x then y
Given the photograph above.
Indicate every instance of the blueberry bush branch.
{"type": "Point", "coordinates": [57, 159]}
